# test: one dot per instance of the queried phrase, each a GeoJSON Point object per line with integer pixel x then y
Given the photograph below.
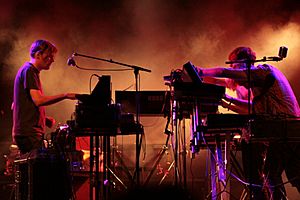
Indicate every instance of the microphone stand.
{"type": "Point", "coordinates": [114, 62]}
{"type": "Point", "coordinates": [136, 69]}
{"type": "Point", "coordinates": [248, 63]}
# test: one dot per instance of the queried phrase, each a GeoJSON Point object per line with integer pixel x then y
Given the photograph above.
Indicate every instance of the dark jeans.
{"type": "Point", "coordinates": [278, 157]}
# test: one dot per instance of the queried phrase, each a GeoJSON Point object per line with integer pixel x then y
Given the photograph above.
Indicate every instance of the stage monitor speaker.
{"type": "Point", "coordinates": [42, 177]}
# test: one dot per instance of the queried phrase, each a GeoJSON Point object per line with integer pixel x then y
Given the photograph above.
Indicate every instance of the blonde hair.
{"type": "Point", "coordinates": [41, 46]}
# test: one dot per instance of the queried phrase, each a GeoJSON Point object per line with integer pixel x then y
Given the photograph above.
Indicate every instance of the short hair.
{"type": "Point", "coordinates": [41, 46]}
{"type": "Point", "coordinates": [241, 53]}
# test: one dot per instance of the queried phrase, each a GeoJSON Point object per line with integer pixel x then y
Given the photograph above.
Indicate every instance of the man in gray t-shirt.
{"type": "Point", "coordinates": [29, 118]}
{"type": "Point", "coordinates": [264, 161]}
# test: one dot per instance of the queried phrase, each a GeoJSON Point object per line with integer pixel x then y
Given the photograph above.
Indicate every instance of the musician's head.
{"type": "Point", "coordinates": [241, 53]}
{"type": "Point", "coordinates": [42, 54]}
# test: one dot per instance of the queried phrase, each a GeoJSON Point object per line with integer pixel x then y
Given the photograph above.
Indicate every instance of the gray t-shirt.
{"type": "Point", "coordinates": [272, 92]}
{"type": "Point", "coordinates": [28, 119]}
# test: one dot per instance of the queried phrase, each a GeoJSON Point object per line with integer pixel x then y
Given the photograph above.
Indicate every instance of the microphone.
{"type": "Point", "coordinates": [281, 54]}
{"type": "Point", "coordinates": [71, 61]}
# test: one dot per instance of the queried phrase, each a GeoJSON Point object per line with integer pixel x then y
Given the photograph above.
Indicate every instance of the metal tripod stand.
{"type": "Point", "coordinates": [157, 161]}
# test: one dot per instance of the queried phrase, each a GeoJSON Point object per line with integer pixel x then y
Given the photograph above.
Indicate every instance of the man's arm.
{"type": "Point", "coordinates": [234, 108]}
{"type": "Point", "coordinates": [235, 104]}
{"type": "Point", "coordinates": [235, 74]}
{"type": "Point", "coordinates": [215, 81]}
{"type": "Point", "coordinates": [41, 100]}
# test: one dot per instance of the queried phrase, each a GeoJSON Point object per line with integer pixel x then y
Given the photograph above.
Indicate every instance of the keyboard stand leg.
{"type": "Point", "coordinates": [213, 173]}
{"type": "Point", "coordinates": [92, 178]}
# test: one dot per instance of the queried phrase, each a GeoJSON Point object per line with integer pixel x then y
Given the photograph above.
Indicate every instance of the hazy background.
{"type": "Point", "coordinates": [160, 35]}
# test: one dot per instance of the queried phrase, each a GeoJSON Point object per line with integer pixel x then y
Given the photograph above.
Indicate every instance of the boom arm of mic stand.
{"type": "Point", "coordinates": [264, 59]}
{"type": "Point", "coordinates": [113, 62]}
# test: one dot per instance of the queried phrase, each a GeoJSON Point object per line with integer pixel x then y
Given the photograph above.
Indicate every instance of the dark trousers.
{"type": "Point", "coordinates": [264, 164]}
